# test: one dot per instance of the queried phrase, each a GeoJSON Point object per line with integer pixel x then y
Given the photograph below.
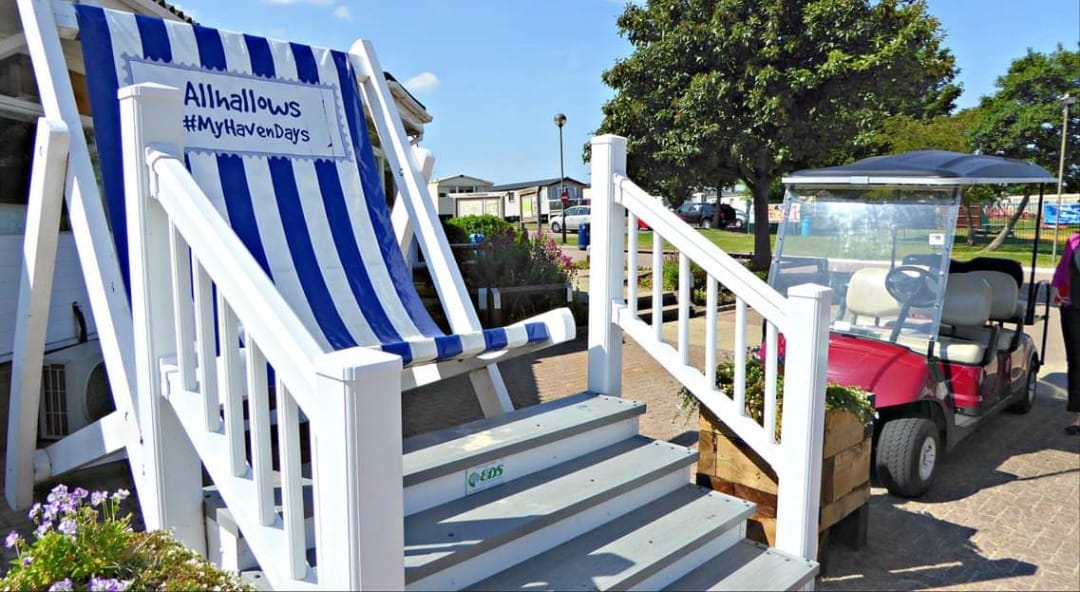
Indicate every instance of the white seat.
{"type": "Point", "coordinates": [966, 307]}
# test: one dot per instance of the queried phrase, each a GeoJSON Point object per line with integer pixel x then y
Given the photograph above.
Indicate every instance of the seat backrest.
{"type": "Point", "coordinates": [275, 135]}
{"type": "Point", "coordinates": [967, 301]}
{"type": "Point", "coordinates": [1011, 268]}
{"type": "Point", "coordinates": [867, 296]}
{"type": "Point", "coordinates": [1004, 294]}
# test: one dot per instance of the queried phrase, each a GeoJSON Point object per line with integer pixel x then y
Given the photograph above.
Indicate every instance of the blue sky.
{"type": "Point", "coordinates": [494, 72]}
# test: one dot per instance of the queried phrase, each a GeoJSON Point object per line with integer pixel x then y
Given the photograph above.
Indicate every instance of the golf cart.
{"type": "Point", "coordinates": [939, 343]}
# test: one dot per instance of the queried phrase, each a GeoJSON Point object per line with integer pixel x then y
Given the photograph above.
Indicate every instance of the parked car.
{"type": "Point", "coordinates": [571, 219]}
{"type": "Point", "coordinates": [701, 214]}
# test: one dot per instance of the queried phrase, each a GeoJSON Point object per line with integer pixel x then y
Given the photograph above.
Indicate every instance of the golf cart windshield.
{"type": "Point", "coordinates": [883, 249]}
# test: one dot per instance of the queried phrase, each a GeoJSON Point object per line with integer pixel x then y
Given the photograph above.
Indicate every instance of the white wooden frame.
{"type": "Point", "coordinates": [101, 272]}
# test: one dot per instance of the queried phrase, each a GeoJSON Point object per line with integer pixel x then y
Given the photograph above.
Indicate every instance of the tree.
{"type": "Point", "coordinates": [1023, 118]}
{"type": "Point", "coordinates": [719, 90]}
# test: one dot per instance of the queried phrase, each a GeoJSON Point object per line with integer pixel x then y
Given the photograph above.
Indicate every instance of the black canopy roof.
{"type": "Point", "coordinates": [926, 167]}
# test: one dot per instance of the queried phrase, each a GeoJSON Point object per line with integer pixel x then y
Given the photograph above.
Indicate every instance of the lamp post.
{"type": "Point", "coordinates": [1066, 102]}
{"type": "Point", "coordinates": [560, 121]}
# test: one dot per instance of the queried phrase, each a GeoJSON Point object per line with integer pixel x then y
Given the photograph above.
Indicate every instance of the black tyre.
{"type": "Point", "coordinates": [706, 223]}
{"type": "Point", "coordinates": [908, 452]}
{"type": "Point", "coordinates": [1031, 385]}
{"type": "Point", "coordinates": [555, 227]}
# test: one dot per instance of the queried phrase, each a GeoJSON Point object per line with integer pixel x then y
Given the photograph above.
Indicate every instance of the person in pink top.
{"type": "Point", "coordinates": [1066, 294]}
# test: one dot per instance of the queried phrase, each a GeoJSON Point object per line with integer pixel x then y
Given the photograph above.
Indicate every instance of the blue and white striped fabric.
{"type": "Point", "coordinates": [317, 223]}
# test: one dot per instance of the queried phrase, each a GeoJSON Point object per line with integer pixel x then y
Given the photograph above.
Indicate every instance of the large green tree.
{"type": "Point", "coordinates": [718, 90]}
{"type": "Point", "coordinates": [1023, 119]}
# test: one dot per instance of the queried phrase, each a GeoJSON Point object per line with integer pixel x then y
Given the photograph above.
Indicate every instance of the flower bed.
{"type": "Point", "coordinates": [82, 542]}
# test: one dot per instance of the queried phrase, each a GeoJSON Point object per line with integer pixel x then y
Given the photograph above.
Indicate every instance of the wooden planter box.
{"type": "Point", "coordinates": [729, 466]}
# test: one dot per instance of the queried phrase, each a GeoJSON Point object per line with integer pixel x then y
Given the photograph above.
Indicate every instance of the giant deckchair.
{"type": "Point", "coordinates": [248, 227]}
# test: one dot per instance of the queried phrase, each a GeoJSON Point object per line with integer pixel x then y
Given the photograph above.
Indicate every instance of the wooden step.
{"type": "Point", "coordinates": [645, 549]}
{"type": "Point", "coordinates": [438, 466]}
{"type": "Point", "coordinates": [749, 566]}
{"type": "Point", "coordinates": [456, 544]}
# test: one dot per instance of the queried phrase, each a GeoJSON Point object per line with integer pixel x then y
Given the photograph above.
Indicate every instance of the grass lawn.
{"type": "Point", "coordinates": [739, 242]}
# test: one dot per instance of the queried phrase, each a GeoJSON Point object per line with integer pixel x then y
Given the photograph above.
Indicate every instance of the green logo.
{"type": "Point", "coordinates": [484, 476]}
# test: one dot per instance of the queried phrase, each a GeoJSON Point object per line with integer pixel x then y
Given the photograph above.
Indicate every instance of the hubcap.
{"type": "Point", "coordinates": [927, 458]}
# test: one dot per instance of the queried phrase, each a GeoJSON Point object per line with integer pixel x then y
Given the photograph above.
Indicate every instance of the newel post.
{"type": "Point", "coordinates": [357, 471]}
{"type": "Point", "coordinates": [802, 436]}
{"type": "Point", "coordinates": [172, 494]}
{"type": "Point", "coordinates": [608, 222]}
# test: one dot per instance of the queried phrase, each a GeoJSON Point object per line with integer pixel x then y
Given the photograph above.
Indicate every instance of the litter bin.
{"type": "Point", "coordinates": [583, 236]}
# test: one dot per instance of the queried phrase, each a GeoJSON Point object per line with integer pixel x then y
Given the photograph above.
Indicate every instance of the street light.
{"type": "Point", "coordinates": [560, 121]}
{"type": "Point", "coordinates": [1066, 102]}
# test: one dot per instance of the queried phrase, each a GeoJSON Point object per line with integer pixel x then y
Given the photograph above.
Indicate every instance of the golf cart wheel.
{"type": "Point", "coordinates": [555, 227]}
{"type": "Point", "coordinates": [737, 224]}
{"type": "Point", "coordinates": [706, 223]}
{"type": "Point", "coordinates": [1030, 386]}
{"type": "Point", "coordinates": [908, 453]}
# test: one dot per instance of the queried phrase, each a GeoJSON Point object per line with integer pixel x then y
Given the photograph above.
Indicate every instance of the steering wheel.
{"type": "Point", "coordinates": [912, 286]}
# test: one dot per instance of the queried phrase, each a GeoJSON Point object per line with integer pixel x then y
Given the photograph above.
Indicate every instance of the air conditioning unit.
{"type": "Point", "coordinates": [74, 390]}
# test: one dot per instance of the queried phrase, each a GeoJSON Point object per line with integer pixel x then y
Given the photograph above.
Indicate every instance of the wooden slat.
{"type": "Point", "coordinates": [206, 343]}
{"type": "Point", "coordinates": [231, 385]}
{"type": "Point", "coordinates": [769, 416]}
{"type": "Point", "coordinates": [740, 356]}
{"type": "Point", "coordinates": [292, 493]}
{"type": "Point", "coordinates": [631, 263]}
{"type": "Point", "coordinates": [710, 329]}
{"type": "Point", "coordinates": [183, 315]}
{"type": "Point", "coordinates": [684, 308]}
{"type": "Point", "coordinates": [657, 286]}
{"type": "Point", "coordinates": [259, 412]}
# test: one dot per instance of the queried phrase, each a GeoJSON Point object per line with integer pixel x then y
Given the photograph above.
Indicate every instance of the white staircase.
{"type": "Point", "coordinates": [579, 501]}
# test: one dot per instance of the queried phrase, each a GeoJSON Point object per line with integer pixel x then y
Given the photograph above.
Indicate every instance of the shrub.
{"type": "Point", "coordinates": [81, 543]}
{"type": "Point", "coordinates": [491, 227]}
{"type": "Point", "coordinates": [837, 396]}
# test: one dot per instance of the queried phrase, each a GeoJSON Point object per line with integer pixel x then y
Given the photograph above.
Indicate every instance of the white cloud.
{"type": "Point", "coordinates": [422, 81]}
{"type": "Point", "coordinates": [342, 12]}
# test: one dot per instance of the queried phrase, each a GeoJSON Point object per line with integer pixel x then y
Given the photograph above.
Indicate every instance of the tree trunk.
{"type": "Point", "coordinates": [970, 225]}
{"type": "Point", "coordinates": [762, 239]}
{"type": "Point", "coordinates": [1000, 238]}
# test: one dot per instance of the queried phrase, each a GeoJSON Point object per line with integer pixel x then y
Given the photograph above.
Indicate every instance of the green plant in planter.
{"type": "Point", "coordinates": [82, 543]}
{"type": "Point", "coordinates": [837, 396]}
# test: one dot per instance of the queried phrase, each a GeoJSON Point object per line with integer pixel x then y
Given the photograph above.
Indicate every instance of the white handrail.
{"type": "Point", "coordinates": [732, 274]}
{"type": "Point", "coordinates": [802, 318]}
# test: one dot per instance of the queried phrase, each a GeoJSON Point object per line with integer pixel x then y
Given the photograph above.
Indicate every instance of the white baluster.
{"type": "Point", "coordinates": [259, 421]}
{"type": "Point", "coordinates": [684, 308]}
{"type": "Point", "coordinates": [658, 286]}
{"type": "Point", "coordinates": [185, 316]}
{"type": "Point", "coordinates": [232, 393]}
{"type": "Point", "coordinates": [631, 263]}
{"type": "Point", "coordinates": [207, 350]}
{"type": "Point", "coordinates": [711, 305]}
{"type": "Point", "coordinates": [769, 416]}
{"type": "Point", "coordinates": [292, 487]}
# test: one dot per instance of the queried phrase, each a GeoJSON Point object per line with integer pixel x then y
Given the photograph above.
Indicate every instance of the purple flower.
{"type": "Point", "coordinates": [80, 493]}
{"type": "Point", "coordinates": [26, 561]}
{"type": "Point", "coordinates": [43, 529]}
{"type": "Point", "coordinates": [60, 492]}
{"type": "Point", "coordinates": [34, 511]}
{"type": "Point", "coordinates": [12, 539]}
{"type": "Point", "coordinates": [67, 526]}
{"type": "Point", "coordinates": [121, 494]}
{"type": "Point", "coordinates": [64, 584]}
{"type": "Point", "coordinates": [107, 584]}
{"type": "Point", "coordinates": [98, 497]}
{"type": "Point", "coordinates": [50, 511]}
